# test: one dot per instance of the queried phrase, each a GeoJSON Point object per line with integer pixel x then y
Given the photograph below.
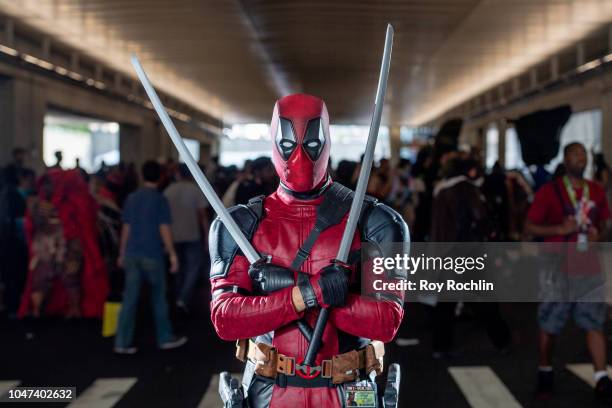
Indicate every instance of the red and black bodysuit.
{"type": "Point", "coordinates": [239, 309]}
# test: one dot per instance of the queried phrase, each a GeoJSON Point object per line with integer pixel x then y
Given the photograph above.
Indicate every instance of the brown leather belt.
{"type": "Point", "coordinates": [340, 369]}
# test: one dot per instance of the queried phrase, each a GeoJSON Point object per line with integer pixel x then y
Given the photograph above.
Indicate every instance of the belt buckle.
{"type": "Point", "coordinates": [326, 367]}
{"type": "Point", "coordinates": [307, 372]}
{"type": "Point", "coordinates": [291, 360]}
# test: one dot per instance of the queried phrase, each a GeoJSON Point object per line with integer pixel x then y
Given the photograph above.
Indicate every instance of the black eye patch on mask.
{"type": "Point", "coordinates": [285, 138]}
{"type": "Point", "coordinates": [314, 139]}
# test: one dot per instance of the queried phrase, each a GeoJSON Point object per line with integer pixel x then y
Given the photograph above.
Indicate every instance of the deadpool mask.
{"type": "Point", "coordinates": [300, 134]}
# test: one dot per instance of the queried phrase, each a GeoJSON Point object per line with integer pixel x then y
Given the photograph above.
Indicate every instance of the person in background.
{"type": "Point", "coordinates": [229, 198]}
{"type": "Point", "coordinates": [495, 191]}
{"type": "Point", "coordinates": [82, 171]}
{"type": "Point", "coordinates": [102, 170]}
{"type": "Point", "coordinates": [144, 235]}
{"type": "Point", "coordinates": [344, 173]}
{"type": "Point", "coordinates": [520, 195]}
{"type": "Point", "coordinates": [48, 252]}
{"type": "Point", "coordinates": [424, 174]}
{"type": "Point", "coordinates": [263, 182]}
{"type": "Point", "coordinates": [13, 247]}
{"type": "Point", "coordinates": [602, 176]}
{"type": "Point", "coordinates": [168, 174]}
{"type": "Point", "coordinates": [18, 155]}
{"type": "Point", "coordinates": [109, 229]}
{"type": "Point", "coordinates": [58, 160]}
{"type": "Point", "coordinates": [401, 197]}
{"type": "Point", "coordinates": [381, 180]}
{"type": "Point", "coordinates": [188, 208]}
{"type": "Point", "coordinates": [459, 214]}
{"type": "Point", "coordinates": [130, 182]}
{"type": "Point", "coordinates": [64, 245]}
{"type": "Point", "coordinates": [553, 217]}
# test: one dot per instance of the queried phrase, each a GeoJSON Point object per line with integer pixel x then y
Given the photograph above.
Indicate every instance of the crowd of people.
{"type": "Point", "coordinates": [72, 240]}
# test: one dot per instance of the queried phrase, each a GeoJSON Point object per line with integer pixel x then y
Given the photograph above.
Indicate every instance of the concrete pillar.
{"type": "Point", "coordinates": [166, 147]}
{"type": "Point", "coordinates": [606, 125]}
{"type": "Point", "coordinates": [395, 144]}
{"type": "Point", "coordinates": [6, 119]}
{"type": "Point", "coordinates": [501, 146]}
{"type": "Point", "coordinates": [205, 152]}
{"type": "Point", "coordinates": [140, 143]}
{"type": "Point", "coordinates": [23, 107]}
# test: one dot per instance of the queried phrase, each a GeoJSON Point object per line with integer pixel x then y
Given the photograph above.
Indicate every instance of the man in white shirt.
{"type": "Point", "coordinates": [189, 230]}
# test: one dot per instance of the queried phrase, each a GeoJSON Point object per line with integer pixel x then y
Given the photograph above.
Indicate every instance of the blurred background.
{"type": "Point", "coordinates": [484, 89]}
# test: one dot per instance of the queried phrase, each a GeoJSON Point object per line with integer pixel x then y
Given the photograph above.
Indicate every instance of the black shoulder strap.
{"type": "Point", "coordinates": [256, 205]}
{"type": "Point", "coordinates": [336, 203]}
{"type": "Point", "coordinates": [368, 203]}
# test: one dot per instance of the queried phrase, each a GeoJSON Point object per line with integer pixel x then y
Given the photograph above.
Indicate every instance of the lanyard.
{"type": "Point", "coordinates": [571, 193]}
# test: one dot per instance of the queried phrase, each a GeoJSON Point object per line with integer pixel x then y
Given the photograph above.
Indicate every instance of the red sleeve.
{"type": "Point", "coordinates": [540, 206]}
{"type": "Point", "coordinates": [238, 316]}
{"type": "Point", "coordinates": [366, 317]}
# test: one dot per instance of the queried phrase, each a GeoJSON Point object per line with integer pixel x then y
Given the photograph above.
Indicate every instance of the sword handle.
{"type": "Point", "coordinates": [317, 335]}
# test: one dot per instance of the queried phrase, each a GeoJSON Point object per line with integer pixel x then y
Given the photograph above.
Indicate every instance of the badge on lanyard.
{"type": "Point", "coordinates": [581, 212]}
{"type": "Point", "coordinates": [360, 394]}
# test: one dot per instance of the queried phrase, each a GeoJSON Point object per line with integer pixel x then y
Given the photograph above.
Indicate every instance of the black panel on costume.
{"type": "Point", "coordinates": [222, 246]}
{"type": "Point", "coordinates": [379, 225]}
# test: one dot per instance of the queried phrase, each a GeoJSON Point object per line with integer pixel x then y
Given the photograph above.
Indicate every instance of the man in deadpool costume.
{"type": "Point", "coordinates": [264, 301]}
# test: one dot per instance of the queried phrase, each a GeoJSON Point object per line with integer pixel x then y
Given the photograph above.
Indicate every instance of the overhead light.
{"type": "Point", "coordinates": [8, 50]}
{"type": "Point", "coordinates": [61, 71]}
{"type": "Point", "coordinates": [76, 76]}
{"type": "Point", "coordinates": [37, 61]}
{"type": "Point", "coordinates": [589, 65]}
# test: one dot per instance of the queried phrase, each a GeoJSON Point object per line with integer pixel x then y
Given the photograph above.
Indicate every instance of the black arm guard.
{"type": "Point", "coordinates": [222, 246]}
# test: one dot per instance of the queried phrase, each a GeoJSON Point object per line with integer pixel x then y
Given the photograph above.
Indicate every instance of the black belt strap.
{"type": "Point", "coordinates": [285, 381]}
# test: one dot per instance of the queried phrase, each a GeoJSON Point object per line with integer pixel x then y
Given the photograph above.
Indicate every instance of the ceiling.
{"type": "Point", "coordinates": [233, 58]}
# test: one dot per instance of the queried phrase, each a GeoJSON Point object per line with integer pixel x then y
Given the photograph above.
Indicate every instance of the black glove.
{"type": "Point", "coordinates": [328, 288]}
{"type": "Point", "coordinates": [268, 278]}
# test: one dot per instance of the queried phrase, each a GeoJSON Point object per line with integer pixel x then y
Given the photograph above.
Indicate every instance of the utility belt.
{"type": "Point", "coordinates": [286, 371]}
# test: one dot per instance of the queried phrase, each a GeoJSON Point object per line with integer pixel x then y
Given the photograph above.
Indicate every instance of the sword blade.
{"type": "Point", "coordinates": [362, 183]}
{"type": "Point", "coordinates": [368, 157]}
{"type": "Point", "coordinates": [201, 180]}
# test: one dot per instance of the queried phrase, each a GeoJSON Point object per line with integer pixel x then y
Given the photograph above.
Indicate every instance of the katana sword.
{"type": "Point", "coordinates": [360, 190]}
{"type": "Point", "coordinates": [243, 243]}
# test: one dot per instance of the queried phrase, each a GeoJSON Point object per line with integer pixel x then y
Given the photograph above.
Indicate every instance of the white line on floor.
{"type": "Point", "coordinates": [482, 388]}
{"type": "Point", "coordinates": [7, 385]}
{"type": "Point", "coordinates": [585, 372]}
{"type": "Point", "coordinates": [403, 342]}
{"type": "Point", "coordinates": [103, 393]}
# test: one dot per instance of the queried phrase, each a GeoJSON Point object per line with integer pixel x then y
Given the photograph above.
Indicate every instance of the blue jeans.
{"type": "Point", "coordinates": [152, 270]}
{"type": "Point", "coordinates": [190, 261]}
